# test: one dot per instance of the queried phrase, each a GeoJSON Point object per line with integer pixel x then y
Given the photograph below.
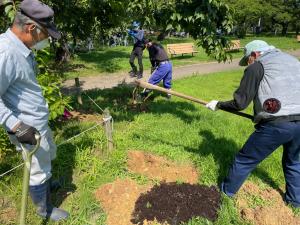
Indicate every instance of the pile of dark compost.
{"type": "Point", "coordinates": [175, 203]}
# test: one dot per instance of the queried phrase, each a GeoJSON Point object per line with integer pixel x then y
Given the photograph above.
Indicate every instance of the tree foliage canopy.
{"type": "Point", "coordinates": [85, 18]}
{"type": "Point", "coordinates": [271, 13]}
{"type": "Point", "coordinates": [204, 20]}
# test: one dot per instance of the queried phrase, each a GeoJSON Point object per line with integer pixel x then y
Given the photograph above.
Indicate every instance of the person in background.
{"type": "Point", "coordinates": [161, 67]}
{"type": "Point", "coordinates": [138, 48]}
{"type": "Point", "coordinates": [272, 81]}
{"type": "Point", "coordinates": [23, 109]}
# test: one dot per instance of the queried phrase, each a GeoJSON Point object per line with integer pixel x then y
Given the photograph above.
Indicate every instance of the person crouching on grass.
{"type": "Point", "coordinates": [161, 67]}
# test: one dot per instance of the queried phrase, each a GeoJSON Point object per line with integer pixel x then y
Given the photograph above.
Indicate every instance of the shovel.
{"type": "Point", "coordinates": [157, 88]}
{"type": "Point", "coordinates": [27, 155]}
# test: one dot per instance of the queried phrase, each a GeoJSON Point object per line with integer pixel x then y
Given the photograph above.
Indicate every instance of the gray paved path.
{"type": "Point", "coordinates": [102, 82]}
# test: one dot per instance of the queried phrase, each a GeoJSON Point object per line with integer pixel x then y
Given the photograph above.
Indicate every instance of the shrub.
{"type": "Point", "coordinates": [5, 145]}
{"type": "Point", "coordinates": [51, 83]}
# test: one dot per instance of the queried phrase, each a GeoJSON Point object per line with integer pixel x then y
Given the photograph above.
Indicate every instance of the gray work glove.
{"type": "Point", "coordinates": [25, 134]}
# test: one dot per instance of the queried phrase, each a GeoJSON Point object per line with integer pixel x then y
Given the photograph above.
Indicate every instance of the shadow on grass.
{"type": "Point", "coordinates": [106, 61]}
{"type": "Point", "coordinates": [184, 56]}
{"type": "Point", "coordinates": [177, 108]}
{"type": "Point", "coordinates": [223, 151]}
{"type": "Point", "coordinates": [71, 67]}
{"type": "Point", "coordinates": [119, 100]}
{"type": "Point", "coordinates": [65, 163]}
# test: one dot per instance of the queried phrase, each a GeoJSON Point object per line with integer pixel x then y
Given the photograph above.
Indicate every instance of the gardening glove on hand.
{"type": "Point", "coordinates": [212, 105]}
{"type": "Point", "coordinates": [130, 32]}
{"type": "Point", "coordinates": [25, 134]}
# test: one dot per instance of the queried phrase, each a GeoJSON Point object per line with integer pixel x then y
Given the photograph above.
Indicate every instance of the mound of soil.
{"type": "Point", "coordinates": [8, 212]}
{"type": "Point", "coordinates": [264, 206]}
{"type": "Point", "coordinates": [86, 117]}
{"type": "Point", "coordinates": [175, 203]}
{"type": "Point", "coordinates": [118, 200]}
{"type": "Point", "coordinates": [156, 167]}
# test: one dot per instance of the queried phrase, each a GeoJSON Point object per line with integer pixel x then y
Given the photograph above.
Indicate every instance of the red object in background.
{"type": "Point", "coordinates": [67, 115]}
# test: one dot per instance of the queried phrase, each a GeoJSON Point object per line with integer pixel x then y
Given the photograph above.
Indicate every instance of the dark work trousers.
{"type": "Point", "coordinates": [162, 72]}
{"type": "Point", "coordinates": [137, 52]}
{"type": "Point", "coordinates": [266, 139]}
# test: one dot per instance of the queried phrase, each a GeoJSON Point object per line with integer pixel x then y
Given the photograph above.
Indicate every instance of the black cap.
{"type": "Point", "coordinates": [42, 14]}
{"type": "Point", "coordinates": [146, 41]}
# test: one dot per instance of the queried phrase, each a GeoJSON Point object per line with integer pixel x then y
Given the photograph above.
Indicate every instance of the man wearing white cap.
{"type": "Point", "coordinates": [272, 81]}
{"type": "Point", "coordinates": [23, 109]}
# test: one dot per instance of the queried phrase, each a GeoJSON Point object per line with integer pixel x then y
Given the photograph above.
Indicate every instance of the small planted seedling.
{"type": "Point", "coordinates": [148, 205]}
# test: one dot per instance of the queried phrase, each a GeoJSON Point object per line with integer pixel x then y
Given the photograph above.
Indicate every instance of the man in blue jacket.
{"type": "Point", "coordinates": [23, 109]}
{"type": "Point", "coordinates": [272, 81]}
{"type": "Point", "coordinates": [138, 47]}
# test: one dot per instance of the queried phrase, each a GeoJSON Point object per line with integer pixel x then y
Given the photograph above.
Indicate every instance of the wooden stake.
{"type": "Point", "coordinates": [78, 90]}
{"type": "Point", "coordinates": [108, 129]}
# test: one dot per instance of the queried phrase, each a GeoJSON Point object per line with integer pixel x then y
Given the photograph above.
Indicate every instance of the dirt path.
{"type": "Point", "coordinates": [178, 72]}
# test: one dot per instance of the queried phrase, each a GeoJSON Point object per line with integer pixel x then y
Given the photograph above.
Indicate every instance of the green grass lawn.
{"type": "Point", "coordinates": [179, 130]}
{"type": "Point", "coordinates": [116, 59]}
{"type": "Point", "coordinates": [105, 61]}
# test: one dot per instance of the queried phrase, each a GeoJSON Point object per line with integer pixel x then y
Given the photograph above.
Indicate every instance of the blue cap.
{"type": "Point", "coordinates": [42, 14]}
{"type": "Point", "coordinates": [136, 24]}
{"type": "Point", "coordinates": [254, 46]}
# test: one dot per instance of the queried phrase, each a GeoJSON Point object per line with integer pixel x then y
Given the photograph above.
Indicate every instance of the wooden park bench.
{"type": "Point", "coordinates": [235, 46]}
{"type": "Point", "coordinates": [182, 48]}
{"type": "Point", "coordinates": [298, 38]}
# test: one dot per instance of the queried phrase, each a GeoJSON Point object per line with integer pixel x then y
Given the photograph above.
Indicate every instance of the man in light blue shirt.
{"type": "Point", "coordinates": [23, 109]}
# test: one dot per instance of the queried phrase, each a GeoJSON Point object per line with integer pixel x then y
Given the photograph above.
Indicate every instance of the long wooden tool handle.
{"type": "Point", "coordinates": [157, 88]}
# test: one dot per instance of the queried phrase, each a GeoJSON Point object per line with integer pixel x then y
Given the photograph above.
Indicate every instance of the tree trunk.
{"type": "Point", "coordinates": [74, 40]}
{"type": "Point", "coordinates": [284, 28]}
{"type": "Point", "coordinates": [162, 36]}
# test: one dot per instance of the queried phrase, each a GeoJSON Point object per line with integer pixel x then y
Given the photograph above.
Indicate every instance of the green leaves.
{"type": "Point", "coordinates": [5, 2]}
{"type": "Point", "coordinates": [5, 145]}
{"type": "Point", "coordinates": [153, 14]}
{"type": "Point", "coordinates": [169, 27]}
{"type": "Point", "coordinates": [9, 9]}
{"type": "Point", "coordinates": [272, 13]}
{"type": "Point", "coordinates": [50, 84]}
{"type": "Point", "coordinates": [202, 20]}
{"type": "Point", "coordinates": [176, 17]}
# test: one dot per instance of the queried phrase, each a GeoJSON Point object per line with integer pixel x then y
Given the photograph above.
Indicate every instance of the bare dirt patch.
{"type": "Point", "coordinates": [85, 116]}
{"type": "Point", "coordinates": [264, 206]}
{"type": "Point", "coordinates": [118, 200]}
{"type": "Point", "coordinates": [122, 202]}
{"type": "Point", "coordinates": [156, 167]}
{"type": "Point", "coordinates": [8, 212]}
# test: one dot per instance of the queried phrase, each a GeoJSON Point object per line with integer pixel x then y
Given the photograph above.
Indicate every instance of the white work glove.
{"type": "Point", "coordinates": [212, 105]}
